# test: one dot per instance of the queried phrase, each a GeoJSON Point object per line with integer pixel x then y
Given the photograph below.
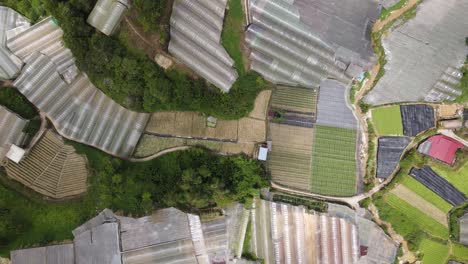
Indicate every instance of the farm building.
{"type": "Point", "coordinates": [389, 151]}
{"type": "Point", "coordinates": [441, 147]}
{"type": "Point", "coordinates": [463, 222]}
{"type": "Point", "coordinates": [417, 118]}
{"type": "Point", "coordinates": [196, 28]}
{"type": "Point", "coordinates": [439, 185]}
{"type": "Point", "coordinates": [51, 168]}
{"type": "Point", "coordinates": [107, 14]}
{"type": "Point", "coordinates": [283, 233]}
{"type": "Point", "coordinates": [11, 131]}
{"type": "Point", "coordinates": [166, 236]}
{"type": "Point", "coordinates": [11, 23]}
{"type": "Point", "coordinates": [80, 111]}
{"type": "Point", "coordinates": [424, 55]}
{"type": "Point", "coordinates": [451, 124]}
{"type": "Point", "coordinates": [45, 37]}
{"type": "Point", "coordinates": [303, 42]}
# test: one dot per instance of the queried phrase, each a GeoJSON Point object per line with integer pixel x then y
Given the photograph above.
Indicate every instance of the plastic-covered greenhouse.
{"type": "Point", "coordinates": [107, 14]}
{"type": "Point", "coordinates": [196, 28]}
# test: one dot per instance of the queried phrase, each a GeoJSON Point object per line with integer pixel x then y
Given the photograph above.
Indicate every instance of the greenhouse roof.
{"type": "Point", "coordinates": [107, 14]}
{"type": "Point", "coordinates": [196, 28]}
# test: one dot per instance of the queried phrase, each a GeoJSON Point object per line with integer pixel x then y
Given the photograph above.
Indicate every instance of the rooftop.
{"type": "Point", "coordinates": [107, 14]}
{"type": "Point", "coordinates": [441, 147]}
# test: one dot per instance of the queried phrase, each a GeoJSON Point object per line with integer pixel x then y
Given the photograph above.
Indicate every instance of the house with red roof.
{"type": "Point", "coordinates": [441, 148]}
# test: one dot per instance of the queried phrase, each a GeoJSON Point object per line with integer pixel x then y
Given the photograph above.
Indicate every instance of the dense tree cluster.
{"type": "Point", "coordinates": [131, 78]}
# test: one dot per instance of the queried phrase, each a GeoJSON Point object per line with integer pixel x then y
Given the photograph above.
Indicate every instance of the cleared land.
{"type": "Point", "coordinates": [404, 214]}
{"type": "Point", "coordinates": [261, 105]}
{"type": "Point", "coordinates": [421, 204]}
{"type": "Point", "coordinates": [334, 161]}
{"type": "Point", "coordinates": [434, 253]}
{"type": "Point", "coordinates": [388, 121]}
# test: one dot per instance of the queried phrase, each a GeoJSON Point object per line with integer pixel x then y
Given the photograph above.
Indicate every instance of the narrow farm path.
{"type": "Point", "coordinates": [163, 152]}
{"type": "Point", "coordinates": [408, 255]}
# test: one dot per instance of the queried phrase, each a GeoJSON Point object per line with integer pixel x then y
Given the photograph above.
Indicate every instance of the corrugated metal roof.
{"type": "Point", "coordinates": [107, 14]}
{"type": "Point", "coordinates": [196, 28]}
{"type": "Point", "coordinates": [60, 254]}
{"type": "Point", "coordinates": [79, 110]}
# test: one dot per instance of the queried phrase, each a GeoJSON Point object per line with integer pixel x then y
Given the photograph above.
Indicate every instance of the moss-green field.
{"type": "Point", "coordinates": [434, 252]}
{"type": "Point", "coordinates": [232, 33]}
{"type": "Point", "coordinates": [387, 120]}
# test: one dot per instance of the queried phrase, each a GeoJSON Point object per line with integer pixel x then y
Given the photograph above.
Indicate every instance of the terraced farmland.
{"type": "Point", "coordinates": [51, 168]}
{"type": "Point", "coordinates": [334, 161]}
{"type": "Point", "coordinates": [294, 99]}
{"type": "Point", "coordinates": [388, 120]}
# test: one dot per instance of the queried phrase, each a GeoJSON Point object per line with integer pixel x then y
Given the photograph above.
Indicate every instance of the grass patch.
{"type": "Point", "coordinates": [434, 252]}
{"type": "Point", "coordinates": [426, 193]}
{"type": "Point", "coordinates": [463, 86]}
{"type": "Point", "coordinates": [418, 218]}
{"type": "Point", "coordinates": [387, 120]}
{"type": "Point", "coordinates": [232, 33]}
{"type": "Point", "coordinates": [334, 161]}
{"type": "Point", "coordinates": [459, 178]}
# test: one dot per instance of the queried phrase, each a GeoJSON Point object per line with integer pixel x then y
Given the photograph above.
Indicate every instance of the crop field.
{"type": "Point", "coordinates": [334, 161]}
{"type": "Point", "coordinates": [434, 253]}
{"type": "Point", "coordinates": [387, 120]}
{"type": "Point", "coordinates": [294, 99]}
{"type": "Point", "coordinates": [460, 252]}
{"type": "Point", "coordinates": [290, 159]}
{"type": "Point", "coordinates": [421, 204]}
{"type": "Point", "coordinates": [427, 194]}
{"type": "Point", "coordinates": [405, 214]}
{"type": "Point", "coordinates": [150, 145]}
{"type": "Point", "coordinates": [237, 148]}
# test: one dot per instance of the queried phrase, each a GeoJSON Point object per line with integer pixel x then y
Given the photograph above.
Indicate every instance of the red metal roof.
{"type": "Point", "coordinates": [444, 148]}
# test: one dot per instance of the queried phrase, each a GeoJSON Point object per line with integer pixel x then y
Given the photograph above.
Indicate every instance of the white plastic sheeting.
{"type": "Point", "coordinates": [196, 28]}
{"type": "Point", "coordinates": [79, 110]}
{"type": "Point", "coordinates": [107, 14]}
{"type": "Point", "coordinates": [11, 130]}
{"type": "Point", "coordinates": [11, 23]}
{"type": "Point", "coordinates": [45, 37]}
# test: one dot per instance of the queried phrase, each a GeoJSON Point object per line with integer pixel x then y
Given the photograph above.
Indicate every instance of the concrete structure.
{"type": "Point", "coordinates": [424, 55]}
{"type": "Point", "coordinates": [107, 14]}
{"type": "Point", "coordinates": [196, 27]}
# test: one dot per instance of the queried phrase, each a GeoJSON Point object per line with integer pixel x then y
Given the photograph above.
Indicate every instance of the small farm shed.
{"type": "Point", "coordinates": [441, 147]}
{"type": "Point", "coordinates": [107, 14]}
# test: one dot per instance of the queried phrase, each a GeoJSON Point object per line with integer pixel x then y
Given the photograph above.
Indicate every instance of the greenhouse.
{"type": "Point", "coordinates": [303, 42]}
{"type": "Point", "coordinates": [107, 14]}
{"type": "Point", "coordinates": [11, 23]}
{"type": "Point", "coordinates": [283, 233]}
{"type": "Point", "coordinates": [167, 236]}
{"type": "Point", "coordinates": [196, 28]}
{"type": "Point", "coordinates": [11, 130]}
{"type": "Point", "coordinates": [424, 55]}
{"type": "Point", "coordinates": [80, 111]}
